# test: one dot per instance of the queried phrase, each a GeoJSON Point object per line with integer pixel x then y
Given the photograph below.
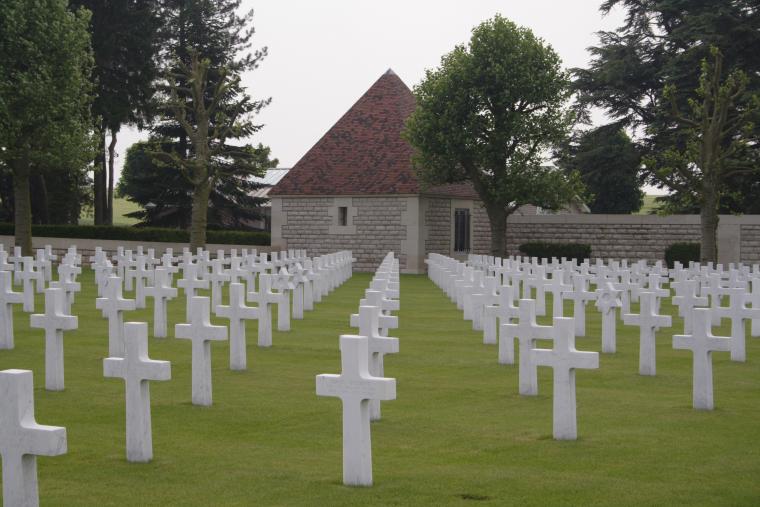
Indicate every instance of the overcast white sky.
{"type": "Point", "coordinates": [324, 55]}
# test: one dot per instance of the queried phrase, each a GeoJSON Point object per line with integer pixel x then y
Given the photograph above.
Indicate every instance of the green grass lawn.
{"type": "Point", "coordinates": [120, 208]}
{"type": "Point", "coordinates": [650, 205]}
{"type": "Point", "coordinates": [458, 434]}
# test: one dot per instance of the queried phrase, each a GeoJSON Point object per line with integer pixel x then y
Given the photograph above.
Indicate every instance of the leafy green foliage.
{"type": "Point", "coordinates": [608, 164]}
{"type": "Point", "coordinates": [165, 195]}
{"type": "Point", "coordinates": [683, 253]}
{"type": "Point", "coordinates": [125, 43]}
{"type": "Point", "coordinates": [717, 127]}
{"type": "Point", "coordinates": [664, 42]}
{"type": "Point", "coordinates": [141, 234]}
{"type": "Point", "coordinates": [45, 96]}
{"type": "Point", "coordinates": [544, 250]}
{"type": "Point", "coordinates": [204, 108]}
{"type": "Point", "coordinates": [487, 114]}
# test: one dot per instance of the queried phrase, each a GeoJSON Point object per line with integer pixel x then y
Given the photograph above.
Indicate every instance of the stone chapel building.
{"type": "Point", "coordinates": [356, 189]}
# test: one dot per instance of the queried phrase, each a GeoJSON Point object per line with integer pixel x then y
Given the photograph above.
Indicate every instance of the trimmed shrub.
{"type": "Point", "coordinates": [543, 250]}
{"type": "Point", "coordinates": [224, 237]}
{"type": "Point", "coordinates": [683, 253]}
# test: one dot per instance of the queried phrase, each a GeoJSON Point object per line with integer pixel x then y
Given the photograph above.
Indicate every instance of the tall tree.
{"type": "Point", "coordinates": [487, 114]}
{"type": "Point", "coordinates": [125, 42]}
{"type": "Point", "coordinates": [206, 111]}
{"type": "Point", "coordinates": [608, 163]}
{"type": "Point", "coordinates": [44, 96]}
{"type": "Point", "coordinates": [716, 128]}
{"type": "Point", "coordinates": [661, 45]}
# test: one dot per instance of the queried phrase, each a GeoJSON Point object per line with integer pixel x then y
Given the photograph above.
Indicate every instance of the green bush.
{"type": "Point", "coordinates": [683, 253]}
{"type": "Point", "coordinates": [548, 250]}
{"type": "Point", "coordinates": [141, 234]}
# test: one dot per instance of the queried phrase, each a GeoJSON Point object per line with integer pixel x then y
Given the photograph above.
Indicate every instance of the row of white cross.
{"type": "Point", "coordinates": [362, 385]}
{"type": "Point", "coordinates": [21, 438]}
{"type": "Point", "coordinates": [486, 288]}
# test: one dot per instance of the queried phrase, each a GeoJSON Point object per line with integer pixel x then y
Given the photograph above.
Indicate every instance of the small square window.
{"type": "Point", "coordinates": [343, 215]}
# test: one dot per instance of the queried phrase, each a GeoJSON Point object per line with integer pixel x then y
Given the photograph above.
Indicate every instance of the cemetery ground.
{"type": "Point", "coordinates": [458, 433]}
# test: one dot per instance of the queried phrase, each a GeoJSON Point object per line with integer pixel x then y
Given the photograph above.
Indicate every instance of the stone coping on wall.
{"type": "Point", "coordinates": [87, 246]}
{"type": "Point", "coordinates": [590, 218]}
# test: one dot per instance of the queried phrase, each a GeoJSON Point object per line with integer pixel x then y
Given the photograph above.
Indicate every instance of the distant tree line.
{"type": "Point", "coordinates": [75, 72]}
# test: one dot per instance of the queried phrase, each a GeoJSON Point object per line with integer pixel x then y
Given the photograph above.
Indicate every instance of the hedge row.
{"type": "Point", "coordinates": [141, 234]}
{"type": "Point", "coordinates": [548, 250]}
{"type": "Point", "coordinates": [683, 253]}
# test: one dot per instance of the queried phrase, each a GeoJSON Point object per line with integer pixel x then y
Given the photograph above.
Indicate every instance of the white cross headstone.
{"type": "Point", "coordinates": [527, 332]}
{"type": "Point", "coordinates": [687, 300]}
{"type": "Point", "coordinates": [201, 333]}
{"type": "Point", "coordinates": [738, 313]}
{"type": "Point", "coordinates": [558, 288]}
{"type": "Point", "coordinates": [28, 275]}
{"type": "Point", "coordinates": [702, 343]}
{"type": "Point", "coordinates": [22, 439]}
{"type": "Point", "coordinates": [7, 299]}
{"type": "Point", "coordinates": [649, 322]}
{"type": "Point", "coordinates": [369, 326]}
{"type": "Point", "coordinates": [355, 386]}
{"type": "Point", "coordinates": [161, 292]}
{"type": "Point", "coordinates": [282, 283]}
{"type": "Point", "coordinates": [264, 298]}
{"type": "Point", "coordinates": [218, 277]}
{"type": "Point", "coordinates": [580, 296]}
{"type": "Point", "coordinates": [190, 283]}
{"type": "Point", "coordinates": [113, 306]}
{"type": "Point", "coordinates": [237, 312]}
{"type": "Point", "coordinates": [497, 315]}
{"type": "Point", "coordinates": [136, 368]}
{"type": "Point", "coordinates": [308, 286]}
{"type": "Point", "coordinates": [54, 322]}
{"type": "Point", "coordinates": [564, 359]}
{"type": "Point", "coordinates": [299, 281]}
{"type": "Point", "coordinates": [607, 301]}
{"type": "Point", "coordinates": [754, 299]}
{"type": "Point", "coordinates": [67, 280]}
{"type": "Point", "coordinates": [143, 275]}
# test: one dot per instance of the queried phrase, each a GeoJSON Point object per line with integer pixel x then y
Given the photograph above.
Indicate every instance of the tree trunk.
{"type": "Point", "coordinates": [108, 218]}
{"type": "Point", "coordinates": [23, 207]}
{"type": "Point", "coordinates": [199, 215]}
{"type": "Point", "coordinates": [98, 180]}
{"type": "Point", "coordinates": [709, 224]}
{"type": "Point", "coordinates": [43, 210]}
{"type": "Point", "coordinates": [497, 218]}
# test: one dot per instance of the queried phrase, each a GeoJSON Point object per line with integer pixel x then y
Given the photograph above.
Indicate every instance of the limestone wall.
{"type": "Point", "coordinates": [438, 226]}
{"type": "Point", "coordinates": [375, 226]}
{"type": "Point", "coordinates": [634, 236]}
{"type": "Point", "coordinates": [750, 242]}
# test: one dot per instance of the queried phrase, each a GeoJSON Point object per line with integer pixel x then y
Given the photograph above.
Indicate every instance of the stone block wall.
{"type": "Point", "coordinates": [438, 226]}
{"type": "Point", "coordinates": [631, 236]}
{"type": "Point", "coordinates": [616, 241]}
{"type": "Point", "coordinates": [376, 227]}
{"type": "Point", "coordinates": [480, 230]}
{"type": "Point", "coordinates": [750, 243]}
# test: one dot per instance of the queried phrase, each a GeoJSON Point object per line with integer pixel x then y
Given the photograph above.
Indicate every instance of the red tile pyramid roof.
{"type": "Point", "coordinates": [363, 153]}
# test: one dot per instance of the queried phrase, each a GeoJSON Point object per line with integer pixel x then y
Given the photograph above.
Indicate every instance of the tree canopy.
{"type": "Point", "coordinates": [125, 41]}
{"type": "Point", "coordinates": [204, 110]}
{"type": "Point", "coordinates": [45, 96]}
{"type": "Point", "coordinates": [487, 116]}
{"type": "Point", "coordinates": [608, 163]}
{"type": "Point", "coordinates": [653, 75]}
{"type": "Point", "coordinates": [165, 195]}
{"type": "Point", "coordinates": [661, 43]}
